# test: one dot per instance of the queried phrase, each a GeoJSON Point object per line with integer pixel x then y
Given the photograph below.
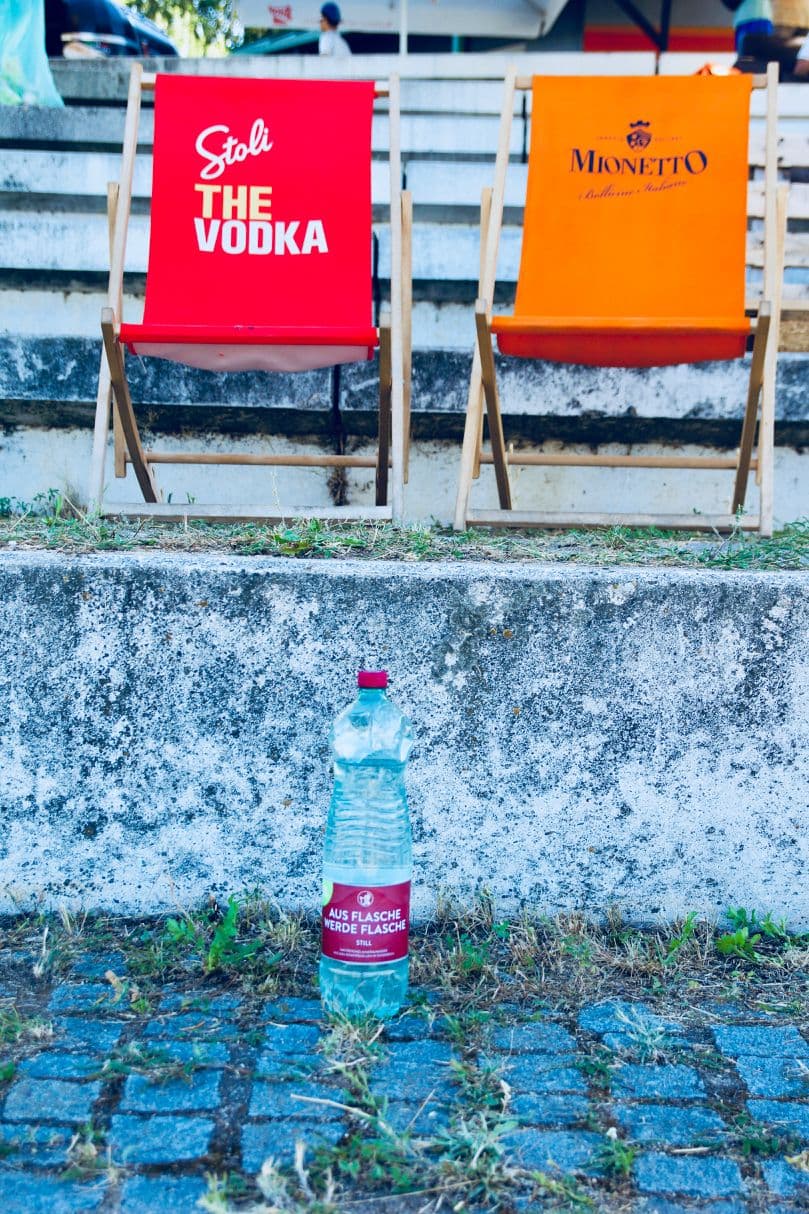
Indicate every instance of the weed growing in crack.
{"type": "Point", "coordinates": [465, 1030]}
{"type": "Point", "coordinates": [645, 1041]}
{"type": "Point", "coordinates": [73, 923]}
{"type": "Point", "coordinates": [222, 1190]}
{"type": "Point", "coordinates": [598, 1067]}
{"type": "Point", "coordinates": [467, 957]}
{"type": "Point", "coordinates": [155, 1064]}
{"type": "Point", "coordinates": [472, 1166]}
{"type": "Point", "coordinates": [127, 995]}
{"type": "Point", "coordinates": [88, 1158]}
{"type": "Point", "coordinates": [380, 1158]}
{"type": "Point", "coordinates": [481, 1084]}
{"type": "Point", "coordinates": [275, 1190]}
{"type": "Point", "coordinates": [752, 1139]}
{"type": "Point", "coordinates": [62, 937]}
{"type": "Point", "coordinates": [799, 1161]}
{"type": "Point", "coordinates": [212, 938]}
{"type": "Point", "coordinates": [350, 1048]}
{"type": "Point", "coordinates": [706, 1056]}
{"type": "Point", "coordinates": [523, 944]}
{"type": "Point", "coordinates": [254, 944]}
{"type": "Point", "coordinates": [678, 943]}
{"type": "Point", "coordinates": [566, 1192]}
{"type": "Point", "coordinates": [351, 1041]}
{"type": "Point", "coordinates": [614, 1157]}
{"type": "Point", "coordinates": [46, 961]}
{"type": "Point", "coordinates": [465, 1162]}
{"type": "Point", "coordinates": [739, 944]}
{"type": "Point", "coordinates": [769, 927]}
{"type": "Point", "coordinates": [16, 1028]}
{"type": "Point", "coordinates": [227, 943]}
{"type": "Point", "coordinates": [756, 938]}
{"type": "Point", "coordinates": [464, 1165]}
{"type": "Point", "coordinates": [472, 969]}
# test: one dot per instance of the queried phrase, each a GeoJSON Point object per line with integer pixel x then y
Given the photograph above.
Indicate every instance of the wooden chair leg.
{"type": "Point", "coordinates": [471, 443]}
{"type": "Point", "coordinates": [101, 429]}
{"type": "Point", "coordinates": [385, 393]}
{"type": "Point", "coordinates": [485, 217]}
{"type": "Point", "coordinates": [407, 321]}
{"type": "Point", "coordinates": [129, 424]}
{"type": "Point", "coordinates": [489, 376]}
{"type": "Point", "coordinates": [751, 409]}
{"type": "Point", "coordinates": [766, 430]}
{"type": "Point", "coordinates": [479, 444]}
{"type": "Point", "coordinates": [118, 440]}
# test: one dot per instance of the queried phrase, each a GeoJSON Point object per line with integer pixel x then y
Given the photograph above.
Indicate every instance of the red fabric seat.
{"type": "Point", "coordinates": [260, 238]}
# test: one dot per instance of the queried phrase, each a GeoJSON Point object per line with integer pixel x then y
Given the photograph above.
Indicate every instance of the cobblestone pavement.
{"type": "Point", "coordinates": [114, 1107]}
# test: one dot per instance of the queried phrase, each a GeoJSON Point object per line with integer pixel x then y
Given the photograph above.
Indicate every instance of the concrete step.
{"type": "Point", "coordinates": [437, 325]}
{"type": "Point", "coordinates": [76, 244]}
{"type": "Point", "coordinates": [96, 126]}
{"type": "Point", "coordinates": [52, 382]}
{"type": "Point", "coordinates": [37, 174]}
{"type": "Point", "coordinates": [469, 81]}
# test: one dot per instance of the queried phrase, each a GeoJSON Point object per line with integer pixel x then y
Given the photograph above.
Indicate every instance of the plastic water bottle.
{"type": "Point", "coordinates": [367, 857]}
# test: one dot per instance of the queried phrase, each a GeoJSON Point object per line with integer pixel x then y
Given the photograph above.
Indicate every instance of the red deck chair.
{"type": "Point", "coordinates": [633, 255]}
{"type": "Point", "coordinates": [260, 249]}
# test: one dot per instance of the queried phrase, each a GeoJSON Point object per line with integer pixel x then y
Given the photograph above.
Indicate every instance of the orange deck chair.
{"type": "Point", "coordinates": [259, 259]}
{"type": "Point", "coordinates": [633, 255]}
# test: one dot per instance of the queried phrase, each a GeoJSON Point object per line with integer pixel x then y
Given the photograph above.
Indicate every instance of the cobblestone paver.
{"type": "Point", "coordinates": [127, 1107]}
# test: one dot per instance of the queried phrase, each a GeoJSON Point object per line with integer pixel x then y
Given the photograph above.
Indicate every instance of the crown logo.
{"type": "Point", "coordinates": [639, 134]}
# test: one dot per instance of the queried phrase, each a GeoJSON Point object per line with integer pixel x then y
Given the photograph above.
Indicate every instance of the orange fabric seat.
{"type": "Point", "coordinates": [596, 341]}
{"type": "Point", "coordinates": [635, 223]}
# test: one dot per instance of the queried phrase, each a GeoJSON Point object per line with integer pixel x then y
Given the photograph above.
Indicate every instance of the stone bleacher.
{"type": "Point", "coordinates": [54, 169]}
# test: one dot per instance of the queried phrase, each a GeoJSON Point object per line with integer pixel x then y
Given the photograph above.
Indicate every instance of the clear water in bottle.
{"type": "Point", "coordinates": [367, 857]}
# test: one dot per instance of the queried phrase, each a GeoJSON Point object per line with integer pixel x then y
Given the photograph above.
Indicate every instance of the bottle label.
{"type": "Point", "coordinates": [365, 923]}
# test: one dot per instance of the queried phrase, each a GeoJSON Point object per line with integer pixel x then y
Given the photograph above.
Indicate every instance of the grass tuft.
{"type": "Point", "coordinates": [55, 523]}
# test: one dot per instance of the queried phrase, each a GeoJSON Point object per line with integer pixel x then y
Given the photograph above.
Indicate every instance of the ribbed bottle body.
{"type": "Point", "coordinates": [367, 862]}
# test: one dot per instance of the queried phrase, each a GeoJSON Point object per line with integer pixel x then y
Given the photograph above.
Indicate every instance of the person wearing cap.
{"type": "Point", "coordinates": [751, 17]}
{"type": "Point", "coordinates": [331, 41]}
{"type": "Point", "coordinates": [786, 44]}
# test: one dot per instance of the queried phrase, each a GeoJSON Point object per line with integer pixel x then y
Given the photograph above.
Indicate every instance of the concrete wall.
{"type": "Point", "coordinates": [585, 737]}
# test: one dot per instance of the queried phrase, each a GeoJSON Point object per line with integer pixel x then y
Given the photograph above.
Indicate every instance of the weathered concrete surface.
{"type": "Point", "coordinates": [53, 381]}
{"type": "Point", "coordinates": [585, 737]}
{"type": "Point", "coordinates": [36, 460]}
{"type": "Point", "coordinates": [47, 403]}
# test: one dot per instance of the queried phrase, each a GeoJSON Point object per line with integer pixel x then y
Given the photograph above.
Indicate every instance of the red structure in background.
{"type": "Point", "coordinates": [626, 37]}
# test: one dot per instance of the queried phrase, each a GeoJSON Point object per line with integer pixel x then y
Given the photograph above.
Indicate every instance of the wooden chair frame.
{"type": "Point", "coordinates": [114, 399]}
{"type": "Point", "coordinates": [760, 405]}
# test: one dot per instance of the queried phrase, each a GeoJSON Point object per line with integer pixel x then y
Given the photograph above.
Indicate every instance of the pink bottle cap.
{"type": "Point", "coordinates": [372, 678]}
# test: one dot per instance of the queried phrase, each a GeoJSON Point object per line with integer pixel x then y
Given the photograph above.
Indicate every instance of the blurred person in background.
{"type": "Point", "coordinates": [331, 41]}
{"type": "Point", "coordinates": [750, 17]}
{"type": "Point", "coordinates": [784, 44]}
